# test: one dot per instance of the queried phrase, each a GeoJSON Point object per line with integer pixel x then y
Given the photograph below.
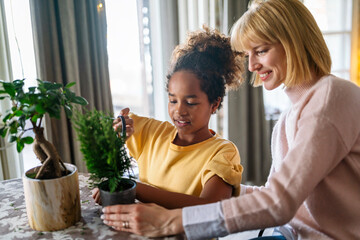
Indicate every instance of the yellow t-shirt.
{"type": "Point", "coordinates": [182, 169]}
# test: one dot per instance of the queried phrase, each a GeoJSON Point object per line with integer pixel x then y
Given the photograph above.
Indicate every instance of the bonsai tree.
{"type": "Point", "coordinates": [103, 149]}
{"type": "Point", "coordinates": [32, 105]}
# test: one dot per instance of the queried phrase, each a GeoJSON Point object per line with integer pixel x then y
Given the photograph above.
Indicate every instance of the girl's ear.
{"type": "Point", "coordinates": [215, 105]}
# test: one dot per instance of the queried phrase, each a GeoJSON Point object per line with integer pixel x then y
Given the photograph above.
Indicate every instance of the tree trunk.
{"type": "Point", "coordinates": [52, 166]}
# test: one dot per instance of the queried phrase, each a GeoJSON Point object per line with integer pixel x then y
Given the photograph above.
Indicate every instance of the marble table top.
{"type": "Point", "coordinates": [14, 222]}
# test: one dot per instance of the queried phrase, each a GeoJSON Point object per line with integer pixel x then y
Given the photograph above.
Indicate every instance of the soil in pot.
{"type": "Point", "coordinates": [124, 196]}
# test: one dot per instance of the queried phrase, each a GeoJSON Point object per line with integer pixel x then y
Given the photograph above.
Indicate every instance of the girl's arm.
{"type": "Point", "coordinates": [215, 189]}
{"type": "Point", "coordinates": [117, 125]}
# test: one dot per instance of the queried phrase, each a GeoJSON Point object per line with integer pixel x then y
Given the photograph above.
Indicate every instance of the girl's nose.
{"type": "Point", "coordinates": [181, 109]}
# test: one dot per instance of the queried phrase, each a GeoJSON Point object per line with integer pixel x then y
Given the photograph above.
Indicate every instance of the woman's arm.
{"type": "Point", "coordinates": [148, 220]}
{"type": "Point", "coordinates": [215, 189]}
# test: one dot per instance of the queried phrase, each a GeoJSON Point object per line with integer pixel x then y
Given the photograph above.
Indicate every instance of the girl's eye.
{"type": "Point", "coordinates": [192, 104]}
{"type": "Point", "coordinates": [172, 101]}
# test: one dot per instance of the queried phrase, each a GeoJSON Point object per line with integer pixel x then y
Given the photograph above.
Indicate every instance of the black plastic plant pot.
{"type": "Point", "coordinates": [126, 196]}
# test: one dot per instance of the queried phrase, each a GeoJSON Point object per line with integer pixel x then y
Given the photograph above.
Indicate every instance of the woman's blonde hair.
{"type": "Point", "coordinates": [291, 24]}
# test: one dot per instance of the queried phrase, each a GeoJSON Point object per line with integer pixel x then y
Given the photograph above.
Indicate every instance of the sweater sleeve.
{"type": "Point", "coordinates": [317, 149]}
{"type": "Point", "coordinates": [204, 221]}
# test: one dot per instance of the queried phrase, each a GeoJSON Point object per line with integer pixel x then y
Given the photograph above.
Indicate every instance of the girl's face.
{"type": "Point", "coordinates": [189, 108]}
{"type": "Point", "coordinates": [269, 62]}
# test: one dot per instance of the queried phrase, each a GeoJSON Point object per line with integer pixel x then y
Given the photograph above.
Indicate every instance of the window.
{"type": "Point", "coordinates": [334, 20]}
{"type": "Point", "coordinates": [20, 38]}
{"type": "Point", "coordinates": [129, 56]}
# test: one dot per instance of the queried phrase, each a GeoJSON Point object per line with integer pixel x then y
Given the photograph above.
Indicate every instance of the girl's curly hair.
{"type": "Point", "coordinates": [208, 54]}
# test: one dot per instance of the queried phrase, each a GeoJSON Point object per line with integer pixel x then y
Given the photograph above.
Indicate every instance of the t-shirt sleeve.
{"type": "Point", "coordinates": [226, 165]}
{"type": "Point", "coordinates": [135, 143]}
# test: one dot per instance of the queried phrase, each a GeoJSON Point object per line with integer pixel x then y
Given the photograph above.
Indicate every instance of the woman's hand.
{"type": "Point", "coordinates": [129, 122]}
{"type": "Point", "coordinates": [148, 220]}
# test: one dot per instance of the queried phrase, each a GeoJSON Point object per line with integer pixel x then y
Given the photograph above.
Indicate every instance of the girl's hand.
{"type": "Point", "coordinates": [148, 220]}
{"type": "Point", "coordinates": [96, 195]}
{"type": "Point", "coordinates": [129, 122]}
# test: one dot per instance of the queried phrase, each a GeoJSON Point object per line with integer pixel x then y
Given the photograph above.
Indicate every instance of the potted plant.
{"type": "Point", "coordinates": [51, 190]}
{"type": "Point", "coordinates": [106, 157]}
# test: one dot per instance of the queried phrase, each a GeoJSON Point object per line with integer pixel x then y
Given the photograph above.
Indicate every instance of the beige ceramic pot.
{"type": "Point", "coordinates": [53, 204]}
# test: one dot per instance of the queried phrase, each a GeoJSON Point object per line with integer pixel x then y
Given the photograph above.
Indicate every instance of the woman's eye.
{"type": "Point", "coordinates": [172, 101]}
{"type": "Point", "coordinates": [260, 53]}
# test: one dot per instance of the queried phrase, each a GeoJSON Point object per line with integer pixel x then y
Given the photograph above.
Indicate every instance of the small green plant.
{"type": "Point", "coordinates": [103, 149]}
{"type": "Point", "coordinates": [32, 105]}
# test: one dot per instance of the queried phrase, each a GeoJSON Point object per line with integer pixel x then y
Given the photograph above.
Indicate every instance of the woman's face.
{"type": "Point", "coordinates": [189, 107]}
{"type": "Point", "coordinates": [269, 62]}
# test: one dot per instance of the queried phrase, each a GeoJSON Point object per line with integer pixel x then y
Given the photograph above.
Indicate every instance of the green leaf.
{"type": "Point", "coordinates": [52, 86]}
{"type": "Point", "coordinates": [21, 121]}
{"type": "Point", "coordinates": [9, 88]}
{"type": "Point", "coordinates": [31, 109]}
{"type": "Point", "coordinates": [69, 85]}
{"type": "Point", "coordinates": [19, 146]}
{"type": "Point", "coordinates": [7, 117]}
{"type": "Point", "coordinates": [34, 118]}
{"type": "Point", "coordinates": [32, 89]}
{"type": "Point", "coordinates": [40, 109]}
{"type": "Point", "coordinates": [14, 127]}
{"type": "Point", "coordinates": [18, 113]}
{"type": "Point", "coordinates": [13, 138]}
{"type": "Point", "coordinates": [3, 131]}
{"type": "Point", "coordinates": [80, 100]}
{"type": "Point", "coordinates": [27, 140]}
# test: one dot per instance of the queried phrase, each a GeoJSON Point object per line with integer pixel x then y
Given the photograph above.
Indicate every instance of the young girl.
{"type": "Point", "coordinates": [314, 183]}
{"type": "Point", "coordinates": [186, 163]}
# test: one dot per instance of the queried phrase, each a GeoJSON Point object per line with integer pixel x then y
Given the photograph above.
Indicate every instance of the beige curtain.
{"type": "Point", "coordinates": [70, 46]}
{"type": "Point", "coordinates": [355, 43]}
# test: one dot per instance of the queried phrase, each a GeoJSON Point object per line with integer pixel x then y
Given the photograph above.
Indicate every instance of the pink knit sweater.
{"type": "Point", "coordinates": [315, 177]}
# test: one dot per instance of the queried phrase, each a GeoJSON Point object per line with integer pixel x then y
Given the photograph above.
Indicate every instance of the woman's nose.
{"type": "Point", "coordinates": [253, 64]}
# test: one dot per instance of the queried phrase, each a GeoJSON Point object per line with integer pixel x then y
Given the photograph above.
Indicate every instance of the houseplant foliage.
{"type": "Point", "coordinates": [45, 98]}
{"type": "Point", "coordinates": [104, 150]}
